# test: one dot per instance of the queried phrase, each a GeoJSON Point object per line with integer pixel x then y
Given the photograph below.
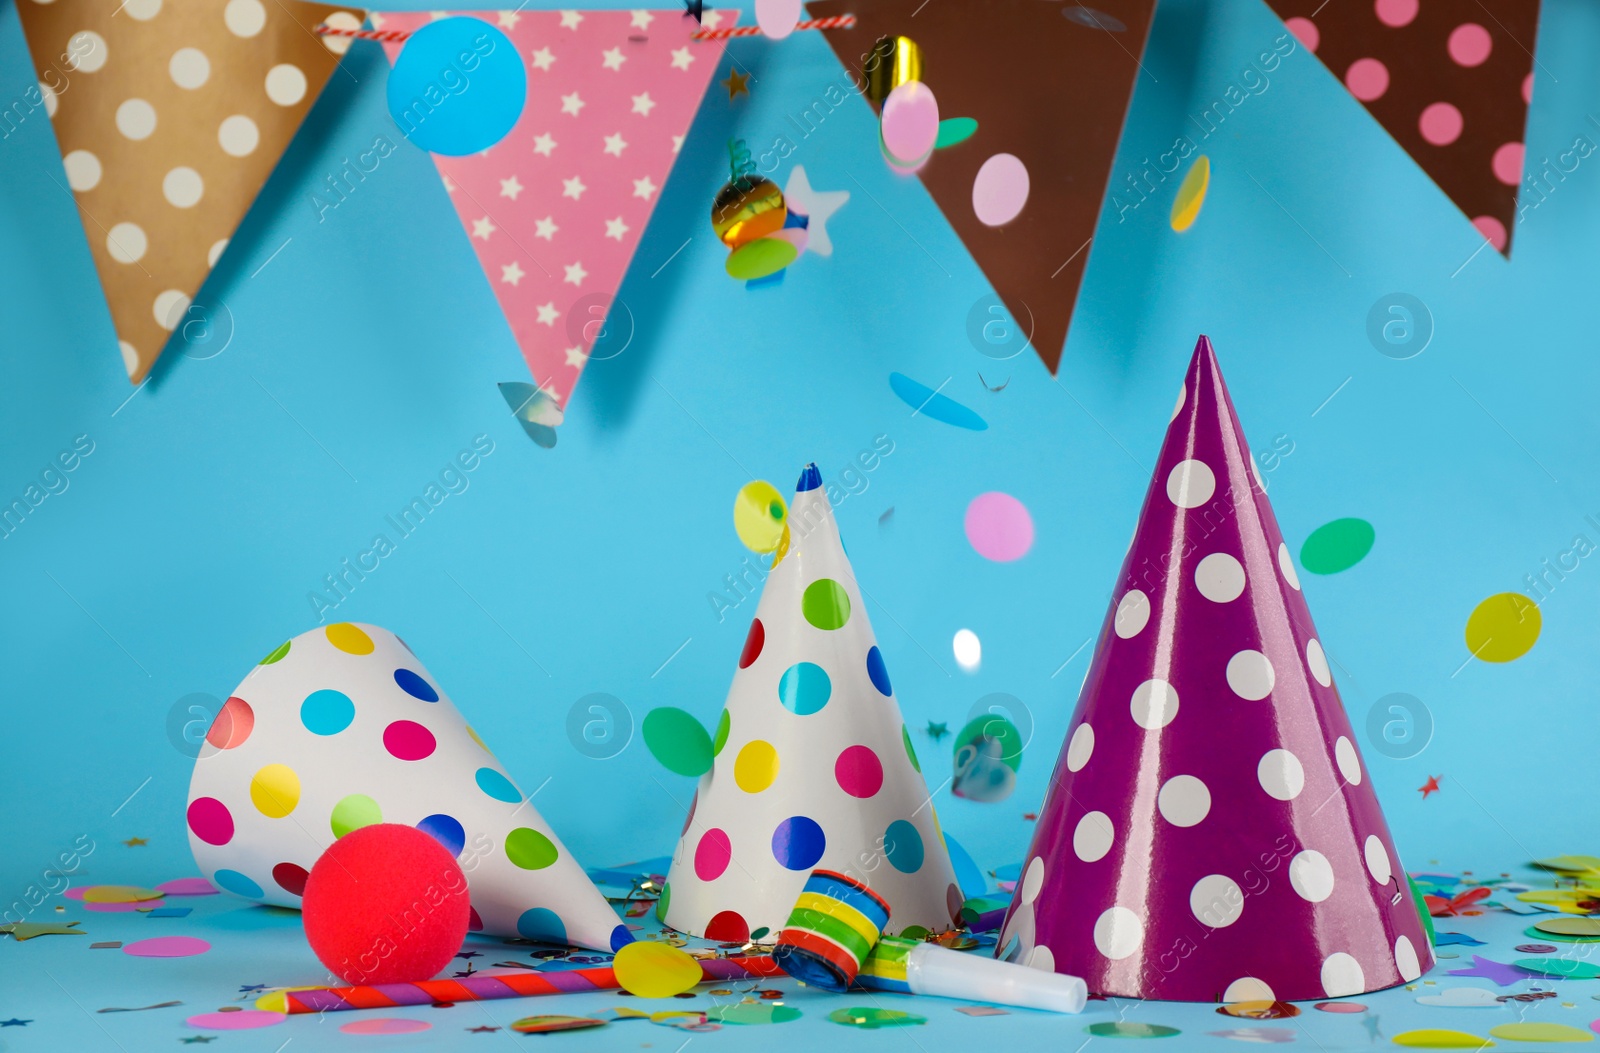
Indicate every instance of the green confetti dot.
{"type": "Point", "coordinates": [825, 604]}
{"type": "Point", "coordinates": [529, 849]}
{"type": "Point", "coordinates": [913, 932]}
{"type": "Point", "coordinates": [281, 650]}
{"type": "Point", "coordinates": [678, 741]}
{"type": "Point", "coordinates": [752, 1013]}
{"type": "Point", "coordinates": [1129, 1029]}
{"type": "Point", "coordinates": [354, 812]}
{"type": "Point", "coordinates": [905, 736]}
{"type": "Point", "coordinates": [721, 740]}
{"type": "Point", "coordinates": [871, 1019]}
{"type": "Point", "coordinates": [758, 934]}
{"type": "Point", "coordinates": [954, 130]}
{"type": "Point", "coordinates": [1570, 968]}
{"type": "Point", "coordinates": [1337, 546]}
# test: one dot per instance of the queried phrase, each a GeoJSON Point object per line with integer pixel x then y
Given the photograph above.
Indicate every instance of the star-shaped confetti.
{"type": "Point", "coordinates": [1431, 786]}
{"type": "Point", "coordinates": [194, 1039]}
{"type": "Point", "coordinates": [27, 930]}
{"type": "Point", "coordinates": [737, 84]}
{"type": "Point", "coordinates": [816, 205]}
{"type": "Point", "coordinates": [247, 988]}
{"type": "Point", "coordinates": [696, 10]}
{"type": "Point", "coordinates": [482, 1029]}
{"type": "Point", "coordinates": [937, 731]}
{"type": "Point", "coordinates": [1502, 974]}
{"type": "Point", "coordinates": [14, 1022]}
{"type": "Point", "coordinates": [135, 842]}
{"type": "Point", "coordinates": [470, 954]}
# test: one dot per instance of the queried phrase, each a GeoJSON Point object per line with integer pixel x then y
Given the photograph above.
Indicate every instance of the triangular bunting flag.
{"type": "Point", "coordinates": [1051, 92]}
{"type": "Point", "coordinates": [1211, 833]}
{"type": "Point", "coordinates": [1451, 81]}
{"type": "Point", "coordinates": [342, 727]}
{"type": "Point", "coordinates": [813, 765]}
{"type": "Point", "coordinates": [170, 115]}
{"type": "Point", "coordinates": [555, 210]}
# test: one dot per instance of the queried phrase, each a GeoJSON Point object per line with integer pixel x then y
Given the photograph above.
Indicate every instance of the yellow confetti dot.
{"type": "Point", "coordinates": [655, 970]}
{"type": "Point", "coordinates": [759, 515]}
{"type": "Point", "coordinates": [349, 639]}
{"type": "Point", "coordinates": [1191, 194]}
{"type": "Point", "coordinates": [119, 894]}
{"type": "Point", "coordinates": [1440, 1038]}
{"type": "Point", "coordinates": [756, 766]}
{"type": "Point", "coordinates": [1503, 627]}
{"type": "Point", "coordinates": [275, 790]}
{"type": "Point", "coordinates": [1540, 1032]}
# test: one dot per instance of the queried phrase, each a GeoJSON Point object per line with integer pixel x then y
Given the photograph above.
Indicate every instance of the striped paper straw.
{"type": "Point", "coordinates": [831, 22]}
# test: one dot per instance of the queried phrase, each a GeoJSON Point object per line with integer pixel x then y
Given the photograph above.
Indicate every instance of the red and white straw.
{"type": "Point", "coordinates": [831, 22]}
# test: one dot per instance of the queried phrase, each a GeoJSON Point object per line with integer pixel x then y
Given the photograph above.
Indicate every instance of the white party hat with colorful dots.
{"type": "Point", "coordinates": [342, 727]}
{"type": "Point", "coordinates": [813, 765]}
{"type": "Point", "coordinates": [1211, 833]}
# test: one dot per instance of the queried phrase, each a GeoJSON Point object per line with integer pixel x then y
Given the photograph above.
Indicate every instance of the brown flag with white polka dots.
{"type": "Point", "coordinates": [170, 115]}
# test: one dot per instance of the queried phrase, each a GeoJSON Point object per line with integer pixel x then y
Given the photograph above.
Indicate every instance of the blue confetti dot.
{"type": "Point", "coordinates": [620, 937]}
{"type": "Point", "coordinates": [804, 688]}
{"type": "Point", "coordinates": [497, 786]}
{"type": "Point", "coordinates": [237, 883]}
{"type": "Point", "coordinates": [457, 87]}
{"type": "Point", "coordinates": [929, 403]}
{"type": "Point", "coordinates": [327, 712]}
{"type": "Point", "coordinates": [798, 843]}
{"type": "Point", "coordinates": [903, 845]}
{"type": "Point", "coordinates": [445, 830]}
{"type": "Point", "coordinates": [878, 671]}
{"type": "Point", "coordinates": [413, 685]}
{"type": "Point", "coordinates": [541, 923]}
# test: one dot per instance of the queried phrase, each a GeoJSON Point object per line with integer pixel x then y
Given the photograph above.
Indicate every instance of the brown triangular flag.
{"type": "Point", "coordinates": [1047, 83]}
{"type": "Point", "coordinates": [1451, 81]}
{"type": "Point", "coordinates": [170, 115]}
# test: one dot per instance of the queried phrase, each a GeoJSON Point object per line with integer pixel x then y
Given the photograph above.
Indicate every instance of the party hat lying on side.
{"type": "Point", "coordinates": [1210, 832]}
{"type": "Point", "coordinates": [814, 766]}
{"type": "Point", "coordinates": [342, 727]}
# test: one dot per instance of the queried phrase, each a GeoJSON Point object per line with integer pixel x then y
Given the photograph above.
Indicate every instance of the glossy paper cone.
{"type": "Point", "coordinates": [342, 727]}
{"type": "Point", "coordinates": [814, 767]}
{"type": "Point", "coordinates": [1211, 833]}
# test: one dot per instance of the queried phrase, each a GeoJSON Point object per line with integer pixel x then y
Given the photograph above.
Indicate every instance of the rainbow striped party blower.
{"type": "Point", "coordinates": [913, 967]}
{"type": "Point", "coordinates": [833, 927]}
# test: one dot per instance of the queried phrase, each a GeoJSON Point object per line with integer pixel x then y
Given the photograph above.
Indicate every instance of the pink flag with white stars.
{"type": "Point", "coordinates": [555, 209]}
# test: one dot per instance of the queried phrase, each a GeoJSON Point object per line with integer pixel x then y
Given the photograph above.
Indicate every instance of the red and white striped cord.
{"type": "Point", "coordinates": [399, 36]}
{"type": "Point", "coordinates": [387, 36]}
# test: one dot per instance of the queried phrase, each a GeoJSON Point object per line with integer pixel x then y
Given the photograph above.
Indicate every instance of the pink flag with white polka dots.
{"type": "Point", "coordinates": [1451, 80]}
{"type": "Point", "coordinates": [1211, 833]}
{"type": "Point", "coordinates": [342, 727]}
{"type": "Point", "coordinates": [813, 766]}
{"type": "Point", "coordinates": [555, 210]}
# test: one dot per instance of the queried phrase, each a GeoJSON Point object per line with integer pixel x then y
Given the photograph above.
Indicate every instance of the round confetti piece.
{"type": "Point", "coordinates": [759, 513]}
{"type": "Point", "coordinates": [777, 18]}
{"type": "Point", "coordinates": [1440, 1038]}
{"type": "Point", "coordinates": [1570, 927]}
{"type": "Point", "coordinates": [1536, 948]}
{"type": "Point", "coordinates": [679, 741]}
{"type": "Point", "coordinates": [1191, 194]}
{"type": "Point", "coordinates": [953, 130]}
{"type": "Point", "coordinates": [1000, 190]}
{"type": "Point", "coordinates": [1260, 1009]}
{"type": "Point", "coordinates": [189, 886]}
{"type": "Point", "coordinates": [759, 258]}
{"type": "Point", "coordinates": [546, 1022]}
{"type": "Point", "coordinates": [1529, 1031]}
{"type": "Point", "coordinates": [1341, 1007]}
{"type": "Point", "coordinates": [1337, 546]}
{"type": "Point", "coordinates": [167, 947]}
{"type": "Point", "coordinates": [869, 1018]}
{"type": "Point", "coordinates": [119, 894]}
{"type": "Point", "coordinates": [998, 527]}
{"type": "Point", "coordinates": [1569, 968]}
{"type": "Point", "coordinates": [931, 404]}
{"type": "Point", "coordinates": [655, 970]}
{"type": "Point", "coordinates": [1129, 1029]}
{"type": "Point", "coordinates": [910, 122]}
{"type": "Point", "coordinates": [753, 1013]}
{"type": "Point", "coordinates": [1503, 627]}
{"type": "Point", "coordinates": [235, 1019]}
{"type": "Point", "coordinates": [479, 117]}
{"type": "Point", "coordinates": [385, 1025]}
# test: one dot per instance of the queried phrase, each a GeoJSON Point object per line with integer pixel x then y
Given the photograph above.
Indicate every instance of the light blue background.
{"type": "Point", "coordinates": [187, 543]}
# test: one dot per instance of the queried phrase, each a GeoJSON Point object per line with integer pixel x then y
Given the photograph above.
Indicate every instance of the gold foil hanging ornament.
{"type": "Point", "coordinates": [748, 206]}
{"type": "Point", "coordinates": [892, 62]}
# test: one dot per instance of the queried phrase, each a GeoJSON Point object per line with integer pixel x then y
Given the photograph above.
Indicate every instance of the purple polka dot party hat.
{"type": "Point", "coordinates": [342, 727]}
{"type": "Point", "coordinates": [1211, 833]}
{"type": "Point", "coordinates": [813, 766]}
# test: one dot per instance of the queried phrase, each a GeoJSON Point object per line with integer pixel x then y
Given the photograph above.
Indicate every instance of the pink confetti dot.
{"type": "Point", "coordinates": [384, 1025]}
{"type": "Point", "coordinates": [999, 527]}
{"type": "Point", "coordinates": [188, 886]}
{"type": "Point", "coordinates": [408, 740]}
{"type": "Point", "coordinates": [910, 122]}
{"type": "Point", "coordinates": [1395, 13]}
{"type": "Point", "coordinates": [1440, 124]}
{"type": "Point", "coordinates": [1507, 163]}
{"type": "Point", "coordinates": [1367, 79]}
{"type": "Point", "coordinates": [1305, 31]}
{"type": "Point", "coordinates": [240, 1021]}
{"type": "Point", "coordinates": [712, 854]}
{"type": "Point", "coordinates": [1000, 190]}
{"type": "Point", "coordinates": [121, 908]}
{"type": "Point", "coordinates": [1492, 229]}
{"type": "Point", "coordinates": [167, 947]}
{"type": "Point", "coordinates": [1469, 44]}
{"type": "Point", "coordinates": [859, 772]}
